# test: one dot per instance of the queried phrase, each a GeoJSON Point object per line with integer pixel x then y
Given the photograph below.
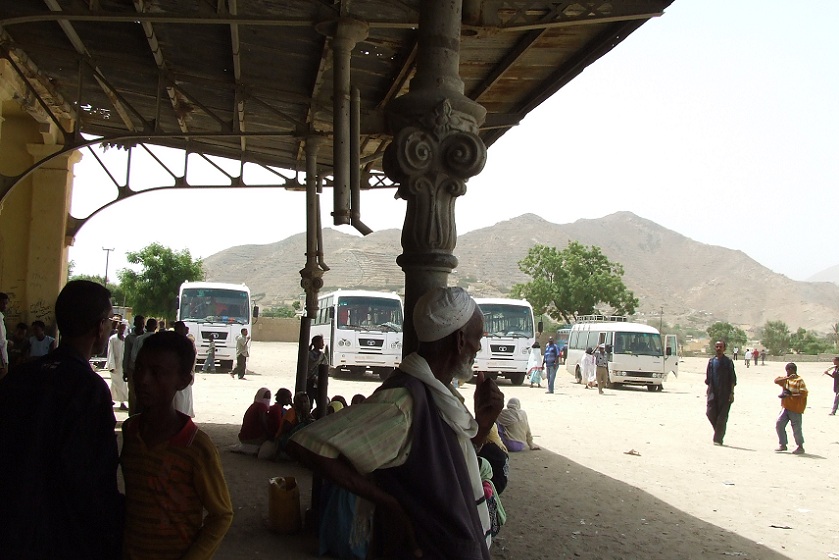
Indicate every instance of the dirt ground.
{"type": "Point", "coordinates": [583, 495]}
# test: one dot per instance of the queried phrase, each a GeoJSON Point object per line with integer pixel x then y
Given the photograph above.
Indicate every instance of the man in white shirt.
{"type": "Point", "coordinates": [242, 352]}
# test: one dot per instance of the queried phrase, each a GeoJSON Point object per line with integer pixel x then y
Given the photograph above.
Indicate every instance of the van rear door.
{"type": "Point", "coordinates": [671, 354]}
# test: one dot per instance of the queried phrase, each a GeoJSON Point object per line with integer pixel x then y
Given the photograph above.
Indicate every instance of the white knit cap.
{"type": "Point", "coordinates": [442, 311]}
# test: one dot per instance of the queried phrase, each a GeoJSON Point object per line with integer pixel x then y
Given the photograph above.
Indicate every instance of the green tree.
{"type": "Point", "coordinates": [117, 293]}
{"type": "Point", "coordinates": [805, 342]}
{"type": "Point", "coordinates": [728, 333]}
{"type": "Point", "coordinates": [776, 337]}
{"type": "Point", "coordinates": [153, 290]}
{"type": "Point", "coordinates": [572, 282]}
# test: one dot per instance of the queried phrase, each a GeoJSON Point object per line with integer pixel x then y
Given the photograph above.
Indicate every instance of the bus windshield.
{"type": "Point", "coordinates": [213, 305]}
{"type": "Point", "coordinates": [365, 313]}
{"type": "Point", "coordinates": [507, 320]}
{"type": "Point", "coordinates": [640, 344]}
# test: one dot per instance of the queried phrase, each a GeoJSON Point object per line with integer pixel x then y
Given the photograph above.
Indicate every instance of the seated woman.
{"type": "Point", "coordinates": [514, 428]}
{"type": "Point", "coordinates": [297, 417]}
{"type": "Point", "coordinates": [255, 422]}
{"type": "Point", "coordinates": [278, 410]}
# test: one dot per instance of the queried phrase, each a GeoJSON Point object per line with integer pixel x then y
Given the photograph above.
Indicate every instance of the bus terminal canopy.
{"type": "Point", "coordinates": [250, 80]}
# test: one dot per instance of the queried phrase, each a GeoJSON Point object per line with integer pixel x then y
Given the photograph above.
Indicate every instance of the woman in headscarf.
{"type": "Point", "coordinates": [255, 422]}
{"type": "Point", "coordinates": [514, 427]}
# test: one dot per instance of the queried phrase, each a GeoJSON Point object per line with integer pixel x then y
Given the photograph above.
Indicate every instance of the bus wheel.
{"type": "Point", "coordinates": [226, 365]}
{"type": "Point", "coordinates": [517, 378]}
{"type": "Point", "coordinates": [578, 375]}
{"type": "Point", "coordinates": [615, 385]}
{"type": "Point", "coordinates": [652, 388]}
{"type": "Point", "coordinates": [384, 373]}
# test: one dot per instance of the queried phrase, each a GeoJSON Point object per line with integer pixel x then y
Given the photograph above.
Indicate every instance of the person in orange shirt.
{"type": "Point", "coordinates": [794, 401]}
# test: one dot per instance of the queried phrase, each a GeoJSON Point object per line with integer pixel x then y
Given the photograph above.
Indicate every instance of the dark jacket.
{"type": "Point", "coordinates": [58, 488]}
{"type": "Point", "coordinates": [433, 486]}
{"type": "Point", "coordinates": [721, 385]}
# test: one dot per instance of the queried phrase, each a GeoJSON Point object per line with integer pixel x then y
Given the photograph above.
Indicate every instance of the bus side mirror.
{"type": "Point", "coordinates": [177, 302]}
{"type": "Point", "coordinates": [255, 311]}
{"type": "Point", "coordinates": [669, 351]}
{"type": "Point", "coordinates": [540, 327]}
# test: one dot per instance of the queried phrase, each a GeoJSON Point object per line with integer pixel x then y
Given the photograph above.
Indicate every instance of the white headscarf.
{"type": "Point", "coordinates": [260, 396]}
{"type": "Point", "coordinates": [442, 311]}
{"type": "Point", "coordinates": [512, 414]}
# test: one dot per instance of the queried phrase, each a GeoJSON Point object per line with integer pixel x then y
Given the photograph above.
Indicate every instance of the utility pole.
{"type": "Point", "coordinates": [107, 256]}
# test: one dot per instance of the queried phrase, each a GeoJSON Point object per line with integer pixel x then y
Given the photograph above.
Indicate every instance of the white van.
{"type": "Point", "coordinates": [637, 353]}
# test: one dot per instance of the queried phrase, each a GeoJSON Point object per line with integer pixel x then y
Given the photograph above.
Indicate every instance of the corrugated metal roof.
{"type": "Point", "coordinates": [166, 71]}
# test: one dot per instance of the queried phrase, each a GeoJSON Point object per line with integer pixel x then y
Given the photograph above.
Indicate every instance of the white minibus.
{"type": "Point", "coordinates": [508, 335]}
{"type": "Point", "coordinates": [361, 330]}
{"type": "Point", "coordinates": [638, 354]}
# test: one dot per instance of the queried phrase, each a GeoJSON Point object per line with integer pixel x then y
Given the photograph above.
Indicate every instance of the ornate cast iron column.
{"type": "Point", "coordinates": [435, 149]}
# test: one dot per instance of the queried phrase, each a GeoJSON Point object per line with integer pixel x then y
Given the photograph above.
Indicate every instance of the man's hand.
{"type": "Point", "coordinates": [489, 400]}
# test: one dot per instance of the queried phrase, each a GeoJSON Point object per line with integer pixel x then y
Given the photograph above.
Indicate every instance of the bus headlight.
{"type": "Point", "coordinates": [525, 351]}
{"type": "Point", "coordinates": [343, 342]}
{"type": "Point", "coordinates": [396, 345]}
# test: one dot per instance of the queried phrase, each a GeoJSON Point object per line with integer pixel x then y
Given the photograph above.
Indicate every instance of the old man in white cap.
{"type": "Point", "coordinates": [411, 447]}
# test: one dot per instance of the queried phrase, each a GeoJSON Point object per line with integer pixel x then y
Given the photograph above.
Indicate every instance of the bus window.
{"type": "Point", "coordinates": [572, 340]}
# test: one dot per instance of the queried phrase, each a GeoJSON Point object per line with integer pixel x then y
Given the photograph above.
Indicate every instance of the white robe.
{"type": "Point", "coordinates": [116, 351]}
{"type": "Point", "coordinates": [588, 368]}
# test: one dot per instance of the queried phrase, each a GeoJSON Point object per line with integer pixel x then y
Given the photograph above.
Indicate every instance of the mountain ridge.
{"type": "Point", "coordinates": [694, 282]}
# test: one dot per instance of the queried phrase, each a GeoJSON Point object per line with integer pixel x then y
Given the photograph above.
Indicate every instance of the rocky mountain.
{"type": "Point", "coordinates": [694, 283]}
{"type": "Point", "coordinates": [827, 275]}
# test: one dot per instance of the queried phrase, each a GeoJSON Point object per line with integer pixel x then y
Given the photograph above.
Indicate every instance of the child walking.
{"type": "Point", "coordinates": [172, 470]}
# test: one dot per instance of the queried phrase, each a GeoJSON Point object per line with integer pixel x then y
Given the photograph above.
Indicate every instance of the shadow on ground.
{"type": "Point", "coordinates": [556, 509]}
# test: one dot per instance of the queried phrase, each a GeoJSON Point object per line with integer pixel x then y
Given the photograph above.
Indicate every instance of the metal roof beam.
{"type": "Point", "coordinates": [236, 47]}
{"type": "Point", "coordinates": [78, 44]}
{"type": "Point", "coordinates": [157, 53]}
{"type": "Point", "coordinates": [506, 63]}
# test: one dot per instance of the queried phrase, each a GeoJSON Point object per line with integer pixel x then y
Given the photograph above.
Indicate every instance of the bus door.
{"type": "Point", "coordinates": [671, 354]}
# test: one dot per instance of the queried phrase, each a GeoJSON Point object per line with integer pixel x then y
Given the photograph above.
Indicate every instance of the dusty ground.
{"type": "Point", "coordinates": [582, 495]}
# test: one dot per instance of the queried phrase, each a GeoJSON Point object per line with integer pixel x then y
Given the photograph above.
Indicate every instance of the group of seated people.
{"type": "Point", "coordinates": [266, 428]}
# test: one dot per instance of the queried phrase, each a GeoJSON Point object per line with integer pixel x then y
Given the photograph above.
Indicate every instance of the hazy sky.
{"type": "Point", "coordinates": [718, 120]}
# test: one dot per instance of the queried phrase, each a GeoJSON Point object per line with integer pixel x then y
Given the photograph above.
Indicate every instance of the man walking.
{"type": "Point", "coordinates": [242, 352]}
{"type": "Point", "coordinates": [550, 361]}
{"type": "Point", "coordinates": [720, 379]}
{"type": "Point", "coordinates": [835, 375]}
{"type": "Point", "coordinates": [794, 401]}
{"type": "Point", "coordinates": [601, 360]}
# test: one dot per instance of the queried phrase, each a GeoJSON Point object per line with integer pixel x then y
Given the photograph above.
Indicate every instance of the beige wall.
{"type": "Point", "coordinates": [276, 329]}
{"type": "Point", "coordinates": [33, 217]}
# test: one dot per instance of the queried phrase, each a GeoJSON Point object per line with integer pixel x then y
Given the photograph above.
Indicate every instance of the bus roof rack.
{"type": "Point", "coordinates": [601, 319]}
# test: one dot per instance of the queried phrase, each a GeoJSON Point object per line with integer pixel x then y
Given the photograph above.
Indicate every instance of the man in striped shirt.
{"type": "Point", "coordinates": [410, 447]}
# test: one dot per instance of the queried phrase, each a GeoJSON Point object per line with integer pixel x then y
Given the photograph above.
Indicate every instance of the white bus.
{"type": "Point", "coordinates": [361, 330]}
{"type": "Point", "coordinates": [638, 354]}
{"type": "Point", "coordinates": [219, 311]}
{"type": "Point", "coordinates": [508, 335]}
